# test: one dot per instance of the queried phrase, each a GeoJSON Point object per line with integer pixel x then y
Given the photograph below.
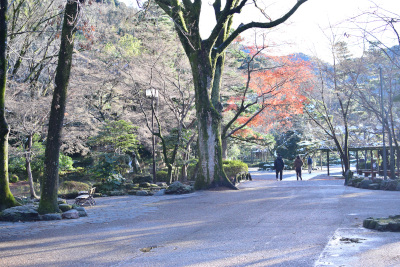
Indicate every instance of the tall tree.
{"type": "Point", "coordinates": [207, 57]}
{"type": "Point", "coordinates": [6, 198]}
{"type": "Point", "coordinates": [333, 102]}
{"type": "Point", "coordinates": [49, 184]}
{"type": "Point", "coordinates": [272, 95]}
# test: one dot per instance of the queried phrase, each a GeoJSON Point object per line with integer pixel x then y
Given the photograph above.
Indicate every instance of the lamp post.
{"type": "Point", "coordinates": [383, 127]}
{"type": "Point", "coordinates": [153, 94]}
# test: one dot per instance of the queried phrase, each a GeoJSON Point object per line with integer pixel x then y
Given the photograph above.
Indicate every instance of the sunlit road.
{"type": "Point", "coordinates": [265, 223]}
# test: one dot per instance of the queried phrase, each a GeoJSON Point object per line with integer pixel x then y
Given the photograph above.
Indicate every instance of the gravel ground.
{"type": "Point", "coordinates": [265, 223]}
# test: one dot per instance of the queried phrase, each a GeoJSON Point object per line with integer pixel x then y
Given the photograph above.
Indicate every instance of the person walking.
{"type": "Point", "coordinates": [297, 165]}
{"type": "Point", "coordinates": [278, 166]}
{"type": "Point", "coordinates": [309, 163]}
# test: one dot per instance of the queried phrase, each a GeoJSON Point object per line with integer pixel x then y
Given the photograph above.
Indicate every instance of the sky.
{"type": "Point", "coordinates": [308, 30]}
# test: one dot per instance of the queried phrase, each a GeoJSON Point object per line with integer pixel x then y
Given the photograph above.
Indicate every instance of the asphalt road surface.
{"type": "Point", "coordinates": [265, 223]}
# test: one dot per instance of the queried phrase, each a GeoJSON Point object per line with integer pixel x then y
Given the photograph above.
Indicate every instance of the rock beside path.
{"type": "Point", "coordinates": [391, 224]}
{"type": "Point", "coordinates": [28, 213]}
{"type": "Point", "coordinates": [179, 188]}
{"type": "Point", "coordinates": [24, 213]}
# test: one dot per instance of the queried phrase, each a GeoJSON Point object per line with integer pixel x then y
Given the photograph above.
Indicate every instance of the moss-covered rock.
{"type": "Point", "coordinates": [389, 185]}
{"type": "Point", "coordinates": [65, 207]}
{"type": "Point", "coordinates": [142, 193]}
{"type": "Point", "coordinates": [116, 193]}
{"type": "Point", "coordinates": [365, 183]}
{"type": "Point", "coordinates": [129, 186]}
{"type": "Point", "coordinates": [142, 179]}
{"type": "Point", "coordinates": [373, 186]}
{"type": "Point", "coordinates": [179, 188]}
{"type": "Point", "coordinates": [61, 201]}
{"type": "Point", "coordinates": [355, 181]}
{"type": "Point", "coordinates": [383, 224]}
{"type": "Point", "coordinates": [145, 185]}
{"type": "Point", "coordinates": [20, 213]}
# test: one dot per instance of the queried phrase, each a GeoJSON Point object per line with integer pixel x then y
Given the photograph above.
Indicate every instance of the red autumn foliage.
{"type": "Point", "coordinates": [278, 90]}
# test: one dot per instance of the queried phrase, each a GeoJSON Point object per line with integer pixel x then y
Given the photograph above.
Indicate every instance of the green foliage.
{"type": "Point", "coordinates": [13, 178]}
{"type": "Point", "coordinates": [234, 152]}
{"type": "Point", "coordinates": [172, 139]}
{"type": "Point", "coordinates": [130, 45]}
{"type": "Point", "coordinates": [111, 183]}
{"type": "Point", "coordinates": [16, 165]}
{"type": "Point", "coordinates": [107, 164]}
{"type": "Point", "coordinates": [287, 144]}
{"type": "Point", "coordinates": [17, 162]}
{"type": "Point", "coordinates": [116, 136]}
{"type": "Point", "coordinates": [233, 167]}
{"type": "Point", "coordinates": [162, 176]}
{"type": "Point", "coordinates": [65, 163]}
{"type": "Point", "coordinates": [73, 186]}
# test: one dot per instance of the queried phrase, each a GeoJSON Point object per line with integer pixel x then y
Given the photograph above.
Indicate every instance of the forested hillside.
{"type": "Point", "coordinates": [132, 95]}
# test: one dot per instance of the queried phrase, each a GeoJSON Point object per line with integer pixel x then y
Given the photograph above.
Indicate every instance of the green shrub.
{"type": "Point", "coordinates": [162, 176]}
{"type": "Point", "coordinates": [112, 183]}
{"type": "Point", "coordinates": [233, 167]}
{"type": "Point", "coordinates": [137, 179]}
{"type": "Point", "coordinates": [65, 163]}
{"type": "Point", "coordinates": [13, 178]}
{"type": "Point", "coordinates": [16, 165]}
{"type": "Point", "coordinates": [73, 186]}
{"type": "Point", "coordinates": [107, 164]}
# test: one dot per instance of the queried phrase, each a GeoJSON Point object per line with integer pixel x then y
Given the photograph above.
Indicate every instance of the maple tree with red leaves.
{"type": "Point", "coordinates": [273, 94]}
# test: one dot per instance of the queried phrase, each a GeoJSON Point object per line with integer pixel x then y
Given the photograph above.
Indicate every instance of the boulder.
{"type": "Point", "coordinates": [145, 185]}
{"type": "Point", "coordinates": [383, 224]}
{"type": "Point", "coordinates": [142, 193]}
{"type": "Point", "coordinates": [20, 213]}
{"type": "Point", "coordinates": [64, 207]}
{"type": "Point", "coordinates": [389, 184]}
{"type": "Point", "coordinates": [116, 193]}
{"type": "Point", "coordinates": [61, 201]}
{"type": "Point", "coordinates": [367, 222]}
{"type": "Point", "coordinates": [348, 175]}
{"type": "Point", "coordinates": [130, 186]}
{"type": "Point", "coordinates": [365, 183]}
{"type": "Point", "coordinates": [373, 186]}
{"type": "Point", "coordinates": [398, 187]}
{"type": "Point", "coordinates": [81, 211]}
{"type": "Point", "coordinates": [162, 184]}
{"type": "Point", "coordinates": [142, 179]}
{"type": "Point", "coordinates": [394, 226]}
{"type": "Point", "coordinates": [179, 188]}
{"type": "Point", "coordinates": [71, 214]}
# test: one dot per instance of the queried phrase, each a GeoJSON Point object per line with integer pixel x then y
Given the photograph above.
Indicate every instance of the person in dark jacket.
{"type": "Point", "coordinates": [309, 163]}
{"type": "Point", "coordinates": [278, 166]}
{"type": "Point", "coordinates": [297, 165]}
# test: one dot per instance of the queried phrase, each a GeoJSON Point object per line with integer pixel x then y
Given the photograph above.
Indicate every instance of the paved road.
{"type": "Point", "coordinates": [266, 223]}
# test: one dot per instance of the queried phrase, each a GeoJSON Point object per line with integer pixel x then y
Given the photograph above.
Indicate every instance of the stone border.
{"type": "Point", "coordinates": [391, 224]}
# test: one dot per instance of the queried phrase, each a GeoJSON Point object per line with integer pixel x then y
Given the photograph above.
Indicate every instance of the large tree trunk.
{"type": "Point", "coordinates": [49, 185]}
{"type": "Point", "coordinates": [210, 169]}
{"type": "Point", "coordinates": [28, 159]}
{"type": "Point", "coordinates": [6, 198]}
